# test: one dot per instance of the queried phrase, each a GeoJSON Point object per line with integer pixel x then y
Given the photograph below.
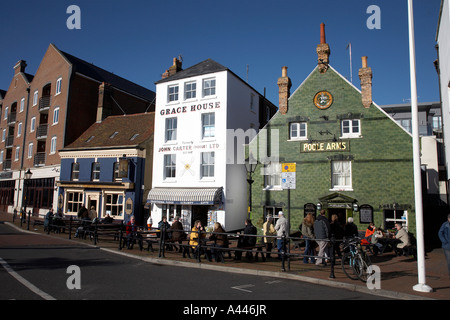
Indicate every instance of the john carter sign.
{"type": "Point", "coordinates": [325, 146]}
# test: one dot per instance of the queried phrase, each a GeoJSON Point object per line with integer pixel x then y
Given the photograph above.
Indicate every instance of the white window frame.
{"type": "Point", "coordinates": [114, 204]}
{"type": "Point", "coordinates": [272, 176]}
{"type": "Point", "coordinates": [170, 132]}
{"type": "Point", "coordinates": [53, 145]}
{"type": "Point", "coordinates": [35, 97]}
{"type": "Point", "coordinates": [73, 202]}
{"type": "Point", "coordinates": [1, 156]}
{"type": "Point", "coordinates": [56, 115]}
{"type": "Point", "coordinates": [341, 175]}
{"type": "Point", "coordinates": [22, 105]}
{"type": "Point", "coordinates": [17, 153]}
{"type": "Point", "coordinates": [30, 150]}
{"type": "Point", "coordinates": [33, 124]}
{"type": "Point", "coordinates": [19, 129]}
{"type": "Point", "coordinates": [208, 125]}
{"type": "Point", "coordinates": [192, 92]}
{"type": "Point", "coordinates": [209, 87]}
{"type": "Point", "coordinates": [95, 171]}
{"type": "Point", "coordinates": [207, 164]}
{"type": "Point", "coordinates": [3, 135]}
{"type": "Point", "coordinates": [75, 171]}
{"type": "Point", "coordinates": [296, 132]}
{"type": "Point", "coordinates": [349, 124]}
{"type": "Point", "coordinates": [173, 93]}
{"type": "Point", "coordinates": [58, 86]}
{"type": "Point", "coordinates": [172, 166]}
{"type": "Point", "coordinates": [6, 113]}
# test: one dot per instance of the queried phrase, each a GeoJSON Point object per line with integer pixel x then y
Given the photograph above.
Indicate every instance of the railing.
{"type": "Point", "coordinates": [41, 131]}
{"type": "Point", "coordinates": [44, 103]}
{"type": "Point", "coordinates": [9, 141]}
{"type": "Point", "coordinates": [7, 164]}
{"type": "Point", "coordinates": [39, 159]}
{"type": "Point", "coordinates": [11, 118]}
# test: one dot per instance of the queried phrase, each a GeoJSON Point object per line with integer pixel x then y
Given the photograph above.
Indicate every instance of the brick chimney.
{"type": "Point", "coordinates": [284, 87]}
{"type": "Point", "coordinates": [173, 69]}
{"type": "Point", "coordinates": [20, 66]}
{"type": "Point", "coordinates": [104, 106]}
{"type": "Point", "coordinates": [365, 75]}
{"type": "Point", "coordinates": [323, 51]}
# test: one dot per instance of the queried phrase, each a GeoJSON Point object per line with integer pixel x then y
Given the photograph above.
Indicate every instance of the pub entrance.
{"type": "Point", "coordinates": [200, 213]}
{"type": "Point", "coordinates": [340, 212]}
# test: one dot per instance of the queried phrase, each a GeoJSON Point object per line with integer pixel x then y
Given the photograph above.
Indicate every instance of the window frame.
{"type": "Point", "coordinates": [171, 128]}
{"type": "Point", "coordinates": [58, 86]}
{"type": "Point", "coordinates": [338, 176]}
{"type": "Point", "coordinates": [351, 133]}
{"type": "Point", "coordinates": [95, 171]}
{"type": "Point", "coordinates": [192, 92]}
{"type": "Point", "coordinates": [207, 164]}
{"type": "Point", "coordinates": [272, 176]}
{"type": "Point", "coordinates": [173, 96]}
{"type": "Point", "coordinates": [208, 89]}
{"type": "Point", "coordinates": [212, 133]}
{"type": "Point", "coordinates": [75, 172]}
{"type": "Point", "coordinates": [170, 167]}
{"type": "Point", "coordinates": [299, 136]}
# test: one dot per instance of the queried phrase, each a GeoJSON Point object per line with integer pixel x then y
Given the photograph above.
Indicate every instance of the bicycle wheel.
{"type": "Point", "coordinates": [361, 265]}
{"type": "Point", "coordinates": [348, 263]}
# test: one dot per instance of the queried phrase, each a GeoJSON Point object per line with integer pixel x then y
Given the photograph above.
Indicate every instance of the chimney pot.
{"type": "Point", "coordinates": [323, 51]}
{"type": "Point", "coordinates": [322, 33]}
{"type": "Point", "coordinates": [20, 66]}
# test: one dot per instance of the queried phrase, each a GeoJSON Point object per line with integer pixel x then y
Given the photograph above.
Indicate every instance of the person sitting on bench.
{"type": "Point", "coordinates": [246, 242]}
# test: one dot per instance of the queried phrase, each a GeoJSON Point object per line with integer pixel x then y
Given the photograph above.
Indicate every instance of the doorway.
{"type": "Point", "coordinates": [92, 200]}
{"type": "Point", "coordinates": [200, 213]}
{"type": "Point", "coordinates": [340, 212]}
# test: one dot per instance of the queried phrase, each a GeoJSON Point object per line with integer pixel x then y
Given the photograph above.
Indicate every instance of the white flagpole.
{"type": "Point", "coordinates": [421, 286]}
{"type": "Point", "coordinates": [349, 46]}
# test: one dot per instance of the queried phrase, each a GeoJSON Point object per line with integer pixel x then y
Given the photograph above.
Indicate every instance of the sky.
{"type": "Point", "coordinates": [138, 40]}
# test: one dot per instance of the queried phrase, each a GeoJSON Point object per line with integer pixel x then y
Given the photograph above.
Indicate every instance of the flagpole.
{"type": "Point", "coordinates": [421, 286]}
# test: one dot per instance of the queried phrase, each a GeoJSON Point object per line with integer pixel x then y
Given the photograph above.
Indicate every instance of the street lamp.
{"type": "Point", "coordinates": [28, 174]}
{"type": "Point", "coordinates": [250, 166]}
{"type": "Point", "coordinates": [27, 177]}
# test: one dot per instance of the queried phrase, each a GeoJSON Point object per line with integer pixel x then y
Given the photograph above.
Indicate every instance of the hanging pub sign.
{"type": "Point", "coordinates": [309, 208]}
{"type": "Point", "coordinates": [365, 213]}
{"type": "Point", "coordinates": [123, 168]}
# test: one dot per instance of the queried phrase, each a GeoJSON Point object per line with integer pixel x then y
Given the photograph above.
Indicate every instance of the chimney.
{"type": "Point", "coordinates": [284, 86]}
{"type": "Point", "coordinates": [104, 107]}
{"type": "Point", "coordinates": [20, 66]}
{"type": "Point", "coordinates": [323, 51]}
{"type": "Point", "coordinates": [176, 66]}
{"type": "Point", "coordinates": [365, 75]}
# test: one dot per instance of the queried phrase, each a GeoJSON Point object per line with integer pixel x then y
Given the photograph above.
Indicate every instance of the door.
{"type": "Point", "coordinates": [92, 200]}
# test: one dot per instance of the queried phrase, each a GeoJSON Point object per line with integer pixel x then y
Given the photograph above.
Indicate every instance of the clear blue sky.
{"type": "Point", "coordinates": [138, 39]}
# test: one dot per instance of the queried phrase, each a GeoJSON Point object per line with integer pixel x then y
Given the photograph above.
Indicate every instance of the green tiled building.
{"type": "Point", "coordinates": [351, 158]}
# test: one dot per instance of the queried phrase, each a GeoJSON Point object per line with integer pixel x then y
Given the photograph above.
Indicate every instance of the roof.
{"type": "Point", "coordinates": [99, 74]}
{"type": "Point", "coordinates": [2, 94]}
{"type": "Point", "coordinates": [116, 131]}
{"type": "Point", "coordinates": [204, 67]}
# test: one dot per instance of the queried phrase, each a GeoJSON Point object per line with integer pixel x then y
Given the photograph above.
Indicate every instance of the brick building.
{"type": "Point", "coordinates": [351, 158]}
{"type": "Point", "coordinates": [44, 112]}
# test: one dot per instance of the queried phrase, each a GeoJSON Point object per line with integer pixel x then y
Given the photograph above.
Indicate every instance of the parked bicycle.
{"type": "Point", "coordinates": [355, 262]}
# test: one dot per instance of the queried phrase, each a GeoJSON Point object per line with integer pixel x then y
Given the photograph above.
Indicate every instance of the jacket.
{"type": "Point", "coordinates": [320, 230]}
{"type": "Point", "coordinates": [281, 226]}
{"type": "Point", "coordinates": [402, 235]}
{"type": "Point", "coordinates": [220, 239]}
{"type": "Point", "coordinates": [444, 235]}
{"type": "Point", "coordinates": [307, 230]}
{"type": "Point", "coordinates": [268, 230]}
{"type": "Point", "coordinates": [193, 238]}
{"type": "Point", "coordinates": [177, 231]}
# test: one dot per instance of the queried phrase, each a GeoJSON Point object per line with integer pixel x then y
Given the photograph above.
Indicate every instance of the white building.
{"type": "Point", "coordinates": [202, 115]}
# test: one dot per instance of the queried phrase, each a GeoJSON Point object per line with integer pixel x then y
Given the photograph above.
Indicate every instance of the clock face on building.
{"type": "Point", "coordinates": [323, 100]}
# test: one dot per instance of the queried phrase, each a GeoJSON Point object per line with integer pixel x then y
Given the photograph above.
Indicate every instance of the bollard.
{"type": "Point", "coordinates": [95, 231]}
{"type": "Point", "coordinates": [332, 276]}
{"type": "Point", "coordinates": [283, 251]}
{"type": "Point", "coordinates": [121, 236]}
{"type": "Point", "coordinates": [162, 241]}
{"type": "Point", "coordinates": [29, 217]}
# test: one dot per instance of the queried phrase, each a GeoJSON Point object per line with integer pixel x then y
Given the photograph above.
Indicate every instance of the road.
{"type": "Point", "coordinates": [37, 267]}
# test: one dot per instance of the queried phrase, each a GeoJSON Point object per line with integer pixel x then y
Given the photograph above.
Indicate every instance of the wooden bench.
{"type": "Point", "coordinates": [257, 249]}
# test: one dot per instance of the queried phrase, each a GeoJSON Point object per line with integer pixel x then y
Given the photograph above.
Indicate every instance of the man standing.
{"type": "Point", "coordinates": [444, 236]}
{"type": "Point", "coordinates": [322, 235]}
{"type": "Point", "coordinates": [281, 227]}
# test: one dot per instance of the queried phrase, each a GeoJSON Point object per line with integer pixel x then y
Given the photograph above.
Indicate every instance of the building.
{"type": "Point", "coordinates": [337, 150]}
{"type": "Point", "coordinates": [109, 168]}
{"type": "Point", "coordinates": [204, 115]}
{"type": "Point", "coordinates": [44, 112]}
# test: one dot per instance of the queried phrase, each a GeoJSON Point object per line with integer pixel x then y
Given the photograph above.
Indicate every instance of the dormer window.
{"type": "Point", "coordinates": [114, 134]}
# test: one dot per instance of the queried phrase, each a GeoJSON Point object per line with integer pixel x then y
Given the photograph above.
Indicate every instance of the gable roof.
{"type": "Point", "coordinates": [204, 67]}
{"type": "Point", "coordinates": [102, 75]}
{"type": "Point", "coordinates": [101, 134]}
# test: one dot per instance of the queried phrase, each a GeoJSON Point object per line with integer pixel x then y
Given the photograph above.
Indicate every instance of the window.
{"type": "Point", "coordinates": [351, 128]}
{"type": "Point", "coordinates": [19, 129]}
{"type": "Point", "coordinates": [272, 175]}
{"type": "Point", "coordinates": [209, 87]}
{"type": "Point", "coordinates": [114, 134]}
{"type": "Point", "coordinates": [341, 175]}
{"type": "Point", "coordinates": [53, 145]}
{"type": "Point", "coordinates": [16, 156]}
{"type": "Point", "coordinates": [170, 211]}
{"type": "Point", "coordinates": [208, 125]}
{"type": "Point", "coordinates": [33, 124]}
{"type": "Point", "coordinates": [56, 115]}
{"type": "Point", "coordinates": [74, 201]}
{"type": "Point", "coordinates": [35, 97]}
{"type": "Point", "coordinates": [173, 93]}
{"type": "Point", "coordinates": [297, 130]}
{"type": "Point", "coordinates": [6, 113]}
{"type": "Point", "coordinates": [116, 172]}
{"type": "Point", "coordinates": [1, 156]}
{"type": "Point", "coordinates": [22, 105]}
{"type": "Point", "coordinates": [95, 173]}
{"type": "Point", "coordinates": [134, 136]}
{"type": "Point", "coordinates": [252, 102]}
{"type": "Point", "coordinates": [171, 129]}
{"type": "Point", "coordinates": [207, 164]}
{"type": "Point", "coordinates": [190, 90]}
{"type": "Point", "coordinates": [30, 150]}
{"type": "Point", "coordinates": [170, 166]}
{"type": "Point", "coordinates": [437, 123]}
{"type": "Point", "coordinates": [75, 171]}
{"type": "Point", "coordinates": [3, 135]}
{"type": "Point", "coordinates": [114, 204]}
{"type": "Point", "coordinates": [90, 139]}
{"type": "Point", "coordinates": [58, 86]}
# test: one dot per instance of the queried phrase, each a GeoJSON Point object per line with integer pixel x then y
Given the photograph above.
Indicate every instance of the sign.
{"type": "Point", "coordinates": [325, 146]}
{"type": "Point", "coordinates": [323, 100]}
{"type": "Point", "coordinates": [365, 214]}
{"type": "Point", "coordinates": [288, 177]}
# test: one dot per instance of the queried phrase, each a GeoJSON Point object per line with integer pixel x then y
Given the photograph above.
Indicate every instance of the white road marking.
{"type": "Point", "coordinates": [242, 287]}
{"type": "Point", "coordinates": [25, 282]}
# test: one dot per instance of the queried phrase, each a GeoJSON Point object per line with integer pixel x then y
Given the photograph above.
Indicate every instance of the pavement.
{"type": "Point", "coordinates": [399, 274]}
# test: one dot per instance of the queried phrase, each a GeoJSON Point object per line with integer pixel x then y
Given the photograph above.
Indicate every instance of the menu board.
{"type": "Point", "coordinates": [365, 214]}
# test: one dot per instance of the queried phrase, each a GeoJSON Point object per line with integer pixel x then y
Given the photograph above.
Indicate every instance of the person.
{"type": "Point", "coordinates": [281, 228]}
{"type": "Point", "coordinates": [321, 234]}
{"type": "Point", "coordinates": [108, 219]}
{"type": "Point", "coordinates": [176, 231]}
{"type": "Point", "coordinates": [268, 231]}
{"type": "Point", "coordinates": [368, 235]}
{"type": "Point", "coordinates": [92, 213]}
{"type": "Point", "coordinates": [337, 231]}
{"type": "Point", "coordinates": [48, 218]}
{"type": "Point", "coordinates": [81, 212]}
{"type": "Point", "coordinates": [57, 221]}
{"type": "Point", "coordinates": [350, 229]}
{"type": "Point", "coordinates": [163, 227]}
{"type": "Point", "coordinates": [444, 236]}
{"type": "Point", "coordinates": [246, 242]}
{"type": "Point", "coordinates": [85, 223]}
{"type": "Point", "coordinates": [197, 233]}
{"type": "Point", "coordinates": [131, 232]}
{"type": "Point", "coordinates": [308, 235]}
{"type": "Point", "coordinates": [376, 239]}
{"type": "Point", "coordinates": [220, 241]}
{"type": "Point", "coordinates": [401, 239]}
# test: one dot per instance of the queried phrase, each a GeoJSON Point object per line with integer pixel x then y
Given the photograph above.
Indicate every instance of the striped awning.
{"type": "Point", "coordinates": [203, 196]}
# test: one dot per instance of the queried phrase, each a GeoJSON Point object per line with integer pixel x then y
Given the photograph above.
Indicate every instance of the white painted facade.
{"type": "Point", "coordinates": [235, 108]}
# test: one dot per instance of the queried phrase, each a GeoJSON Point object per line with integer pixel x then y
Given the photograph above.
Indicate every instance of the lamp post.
{"type": "Point", "coordinates": [27, 177]}
{"type": "Point", "coordinates": [250, 166]}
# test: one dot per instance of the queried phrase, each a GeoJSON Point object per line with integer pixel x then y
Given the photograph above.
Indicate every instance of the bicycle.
{"type": "Point", "coordinates": [355, 262]}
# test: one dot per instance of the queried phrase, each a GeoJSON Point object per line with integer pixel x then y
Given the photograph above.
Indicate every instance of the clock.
{"type": "Point", "coordinates": [323, 100]}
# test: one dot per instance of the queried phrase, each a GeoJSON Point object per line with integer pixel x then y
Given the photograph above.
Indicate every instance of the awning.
{"type": "Point", "coordinates": [203, 196]}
